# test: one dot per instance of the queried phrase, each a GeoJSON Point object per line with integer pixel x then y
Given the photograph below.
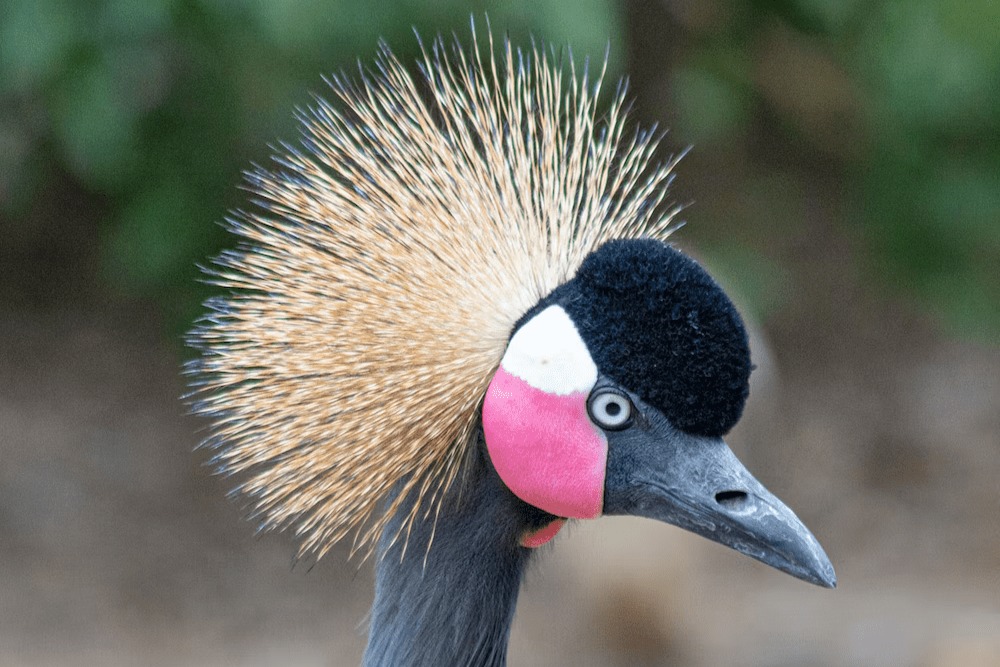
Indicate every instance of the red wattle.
{"type": "Point", "coordinates": [542, 535]}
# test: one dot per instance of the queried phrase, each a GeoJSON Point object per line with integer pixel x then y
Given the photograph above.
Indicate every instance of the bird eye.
{"type": "Point", "coordinates": [610, 409]}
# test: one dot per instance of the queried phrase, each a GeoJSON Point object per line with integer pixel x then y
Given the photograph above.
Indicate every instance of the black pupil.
{"type": "Point", "coordinates": [613, 408]}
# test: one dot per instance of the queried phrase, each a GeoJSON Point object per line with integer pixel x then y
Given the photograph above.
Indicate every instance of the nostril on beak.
{"type": "Point", "coordinates": [731, 500]}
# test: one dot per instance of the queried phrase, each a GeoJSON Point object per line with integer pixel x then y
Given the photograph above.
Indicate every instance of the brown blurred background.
{"type": "Point", "coordinates": [844, 184]}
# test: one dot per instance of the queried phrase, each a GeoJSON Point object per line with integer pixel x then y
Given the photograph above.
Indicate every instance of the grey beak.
{"type": "Point", "coordinates": [698, 484]}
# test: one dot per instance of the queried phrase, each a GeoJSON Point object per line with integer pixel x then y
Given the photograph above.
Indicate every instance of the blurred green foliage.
{"type": "Point", "coordinates": [152, 108]}
{"type": "Point", "coordinates": [901, 96]}
{"type": "Point", "coordinates": [155, 106]}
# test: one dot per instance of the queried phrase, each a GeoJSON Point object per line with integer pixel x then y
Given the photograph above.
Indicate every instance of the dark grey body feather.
{"type": "Point", "coordinates": [454, 603]}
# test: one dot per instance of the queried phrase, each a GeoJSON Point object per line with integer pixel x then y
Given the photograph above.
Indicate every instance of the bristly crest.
{"type": "Point", "coordinates": [382, 271]}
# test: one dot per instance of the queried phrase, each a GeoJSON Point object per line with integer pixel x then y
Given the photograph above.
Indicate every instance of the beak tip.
{"type": "Point", "coordinates": [827, 581]}
{"type": "Point", "coordinates": [822, 574]}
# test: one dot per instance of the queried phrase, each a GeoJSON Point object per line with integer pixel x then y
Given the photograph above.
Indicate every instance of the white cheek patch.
{"type": "Point", "coordinates": [548, 353]}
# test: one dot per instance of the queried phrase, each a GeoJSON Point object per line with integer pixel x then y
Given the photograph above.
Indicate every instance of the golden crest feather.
{"type": "Point", "coordinates": [386, 262]}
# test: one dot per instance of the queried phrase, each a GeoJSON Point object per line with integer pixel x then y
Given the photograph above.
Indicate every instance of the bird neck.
{"type": "Point", "coordinates": [453, 603]}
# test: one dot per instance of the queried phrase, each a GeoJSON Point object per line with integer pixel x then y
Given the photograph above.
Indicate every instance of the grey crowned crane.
{"type": "Point", "coordinates": [452, 324]}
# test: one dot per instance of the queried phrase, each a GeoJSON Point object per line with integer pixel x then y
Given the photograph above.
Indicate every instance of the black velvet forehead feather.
{"type": "Point", "coordinates": [659, 325]}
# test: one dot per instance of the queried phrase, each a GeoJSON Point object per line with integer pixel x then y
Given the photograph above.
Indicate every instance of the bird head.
{"type": "Point", "coordinates": [481, 251]}
{"type": "Point", "coordinates": [613, 395]}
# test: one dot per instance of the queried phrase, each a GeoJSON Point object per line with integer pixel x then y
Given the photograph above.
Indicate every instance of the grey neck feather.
{"type": "Point", "coordinates": [456, 606]}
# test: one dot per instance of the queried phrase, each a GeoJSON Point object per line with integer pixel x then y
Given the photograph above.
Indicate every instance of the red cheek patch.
{"type": "Point", "coordinates": [545, 448]}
